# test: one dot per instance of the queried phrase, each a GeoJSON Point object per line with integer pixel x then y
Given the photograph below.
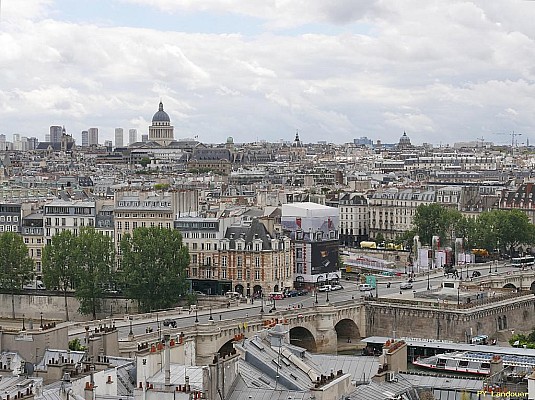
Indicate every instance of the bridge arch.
{"type": "Point", "coordinates": [509, 286]}
{"type": "Point", "coordinates": [347, 330]}
{"type": "Point", "coordinates": [302, 337]}
{"type": "Point", "coordinates": [226, 349]}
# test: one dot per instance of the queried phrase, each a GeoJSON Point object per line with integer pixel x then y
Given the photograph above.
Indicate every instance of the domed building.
{"type": "Point", "coordinates": [161, 131]}
{"type": "Point", "coordinates": [404, 142]}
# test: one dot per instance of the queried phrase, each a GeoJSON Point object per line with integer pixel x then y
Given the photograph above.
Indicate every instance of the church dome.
{"type": "Point", "coordinates": [161, 115]}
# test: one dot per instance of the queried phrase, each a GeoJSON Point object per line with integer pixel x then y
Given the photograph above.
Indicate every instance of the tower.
{"type": "Point", "coordinates": [161, 130]}
{"type": "Point", "coordinates": [119, 137]}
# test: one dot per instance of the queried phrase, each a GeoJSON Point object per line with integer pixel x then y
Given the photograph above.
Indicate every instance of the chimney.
{"type": "Point", "coordinates": [166, 338]}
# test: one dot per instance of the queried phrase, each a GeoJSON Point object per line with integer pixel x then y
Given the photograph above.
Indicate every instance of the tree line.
{"type": "Point", "coordinates": [502, 231]}
{"type": "Point", "coordinates": [152, 267]}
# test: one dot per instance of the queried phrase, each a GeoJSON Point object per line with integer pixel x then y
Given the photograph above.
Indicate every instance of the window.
{"type": "Point", "coordinates": [224, 261]}
{"type": "Point", "coordinates": [257, 262]}
{"type": "Point", "coordinates": [257, 274]}
{"type": "Point", "coordinates": [239, 261]}
{"type": "Point", "coordinates": [224, 273]}
{"type": "Point", "coordinates": [240, 276]}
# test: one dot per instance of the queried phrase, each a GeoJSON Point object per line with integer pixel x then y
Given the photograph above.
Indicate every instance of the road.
{"type": "Point", "coordinates": [350, 291]}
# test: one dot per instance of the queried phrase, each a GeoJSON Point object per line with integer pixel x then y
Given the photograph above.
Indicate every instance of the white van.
{"type": "Point", "coordinates": [35, 285]}
{"type": "Point", "coordinates": [365, 287]}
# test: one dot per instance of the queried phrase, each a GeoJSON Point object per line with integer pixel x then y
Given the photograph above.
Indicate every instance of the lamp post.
{"type": "Point", "coordinates": [316, 293]}
{"type": "Point", "coordinates": [262, 303]}
{"type": "Point", "coordinates": [490, 269]}
{"type": "Point", "coordinates": [458, 295]}
{"type": "Point", "coordinates": [496, 266]}
{"type": "Point", "coordinates": [131, 333]}
{"type": "Point", "coordinates": [196, 315]}
{"type": "Point", "coordinates": [211, 318]}
{"type": "Point", "coordinates": [327, 295]}
{"type": "Point", "coordinates": [23, 326]}
{"type": "Point", "coordinates": [41, 314]}
{"type": "Point", "coordinates": [428, 273]}
{"type": "Point", "coordinates": [467, 277]}
{"type": "Point", "coordinates": [274, 308]}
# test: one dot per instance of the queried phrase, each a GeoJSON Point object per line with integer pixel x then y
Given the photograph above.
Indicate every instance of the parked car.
{"type": "Point", "coordinates": [475, 274]}
{"type": "Point", "coordinates": [169, 322]}
{"type": "Point", "coordinates": [365, 287]}
{"type": "Point", "coordinates": [337, 287]}
{"type": "Point", "coordinates": [405, 285]}
{"type": "Point", "coordinates": [302, 292]}
{"type": "Point", "coordinates": [292, 293]}
{"type": "Point", "coordinates": [325, 288]}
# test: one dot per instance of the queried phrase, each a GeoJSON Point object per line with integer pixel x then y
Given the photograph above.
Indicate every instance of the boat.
{"type": "Point", "coordinates": [475, 363]}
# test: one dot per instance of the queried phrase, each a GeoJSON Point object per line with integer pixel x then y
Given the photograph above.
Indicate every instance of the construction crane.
{"type": "Point", "coordinates": [482, 139]}
{"type": "Point", "coordinates": [513, 136]}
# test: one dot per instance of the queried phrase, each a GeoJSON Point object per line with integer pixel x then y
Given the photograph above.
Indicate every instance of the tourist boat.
{"type": "Point", "coordinates": [471, 362]}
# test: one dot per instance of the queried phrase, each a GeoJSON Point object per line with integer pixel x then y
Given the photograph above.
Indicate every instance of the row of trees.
{"type": "Point", "coordinates": [502, 230]}
{"type": "Point", "coordinates": [152, 272]}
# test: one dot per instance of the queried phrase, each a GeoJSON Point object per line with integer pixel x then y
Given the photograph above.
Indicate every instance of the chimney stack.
{"type": "Point", "coordinates": [166, 338]}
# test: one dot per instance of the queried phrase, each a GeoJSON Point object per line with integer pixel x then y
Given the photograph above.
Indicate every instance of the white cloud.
{"type": "Point", "coordinates": [447, 70]}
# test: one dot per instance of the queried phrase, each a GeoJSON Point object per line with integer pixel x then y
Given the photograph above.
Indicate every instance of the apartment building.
{"type": "Point", "coordinates": [255, 261]}
{"type": "Point", "coordinates": [33, 236]}
{"type": "Point", "coordinates": [354, 218]}
{"type": "Point", "coordinates": [10, 217]}
{"type": "Point", "coordinates": [60, 215]}
{"type": "Point", "coordinates": [146, 209]}
{"type": "Point", "coordinates": [392, 210]}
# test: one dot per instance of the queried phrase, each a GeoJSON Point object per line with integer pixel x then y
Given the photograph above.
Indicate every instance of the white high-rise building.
{"type": "Point", "coordinates": [93, 136]}
{"type": "Point", "coordinates": [119, 134]}
{"type": "Point", "coordinates": [132, 136]}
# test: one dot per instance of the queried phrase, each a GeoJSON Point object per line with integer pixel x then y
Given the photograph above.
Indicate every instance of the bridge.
{"type": "Point", "coordinates": [326, 328]}
{"type": "Point", "coordinates": [318, 329]}
{"type": "Point", "coordinates": [516, 279]}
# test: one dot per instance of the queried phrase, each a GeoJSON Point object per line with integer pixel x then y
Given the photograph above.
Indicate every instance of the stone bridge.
{"type": "Point", "coordinates": [515, 279]}
{"type": "Point", "coordinates": [318, 329]}
{"type": "Point", "coordinates": [326, 328]}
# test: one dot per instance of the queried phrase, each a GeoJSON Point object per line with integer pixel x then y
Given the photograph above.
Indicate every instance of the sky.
{"type": "Point", "coordinates": [441, 71]}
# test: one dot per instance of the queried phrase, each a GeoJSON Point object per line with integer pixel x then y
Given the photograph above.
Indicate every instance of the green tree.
{"type": "Point", "coordinates": [60, 263]}
{"type": "Point", "coordinates": [75, 345]}
{"type": "Point", "coordinates": [144, 162]}
{"type": "Point", "coordinates": [154, 262]}
{"type": "Point", "coordinates": [503, 230]}
{"type": "Point", "coordinates": [436, 220]}
{"type": "Point", "coordinates": [95, 258]}
{"type": "Point", "coordinates": [16, 266]}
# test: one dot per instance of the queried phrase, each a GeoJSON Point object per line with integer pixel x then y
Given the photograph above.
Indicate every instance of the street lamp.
{"type": "Point", "coordinates": [262, 303]}
{"type": "Point", "coordinates": [130, 320]}
{"type": "Point", "coordinates": [496, 266]}
{"type": "Point", "coordinates": [316, 293]}
{"type": "Point", "coordinates": [458, 295]}
{"type": "Point", "coordinates": [273, 308]}
{"type": "Point", "coordinates": [428, 273]}
{"type": "Point", "coordinates": [490, 268]}
{"type": "Point", "coordinates": [41, 313]}
{"type": "Point", "coordinates": [211, 318]}
{"type": "Point", "coordinates": [327, 296]}
{"type": "Point", "coordinates": [467, 277]}
{"type": "Point", "coordinates": [23, 326]}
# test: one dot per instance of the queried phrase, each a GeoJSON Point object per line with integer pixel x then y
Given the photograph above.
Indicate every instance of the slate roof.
{"type": "Point", "coordinates": [248, 234]}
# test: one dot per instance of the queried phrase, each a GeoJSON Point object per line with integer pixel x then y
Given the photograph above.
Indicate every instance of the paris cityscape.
{"type": "Point", "coordinates": [267, 200]}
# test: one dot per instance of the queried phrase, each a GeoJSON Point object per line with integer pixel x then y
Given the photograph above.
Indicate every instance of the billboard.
{"type": "Point", "coordinates": [324, 256]}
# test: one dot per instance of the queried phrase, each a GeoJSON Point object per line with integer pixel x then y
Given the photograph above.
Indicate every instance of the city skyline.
{"type": "Point", "coordinates": [443, 72]}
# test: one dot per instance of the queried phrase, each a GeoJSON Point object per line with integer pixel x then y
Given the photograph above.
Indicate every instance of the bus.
{"type": "Point", "coordinates": [521, 262]}
{"type": "Point", "coordinates": [276, 296]}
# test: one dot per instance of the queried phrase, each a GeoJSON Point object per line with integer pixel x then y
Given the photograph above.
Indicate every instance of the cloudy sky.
{"type": "Point", "coordinates": [443, 71]}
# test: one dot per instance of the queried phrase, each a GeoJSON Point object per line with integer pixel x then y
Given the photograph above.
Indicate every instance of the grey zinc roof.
{"type": "Point", "coordinates": [384, 391]}
{"type": "Point", "coordinates": [443, 382]}
{"type": "Point", "coordinates": [361, 368]}
{"type": "Point", "coordinates": [243, 392]}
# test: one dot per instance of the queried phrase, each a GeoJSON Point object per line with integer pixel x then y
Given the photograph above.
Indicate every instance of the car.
{"type": "Point", "coordinates": [169, 322]}
{"type": "Point", "coordinates": [337, 287]}
{"type": "Point", "coordinates": [475, 274]}
{"type": "Point", "coordinates": [325, 288]}
{"type": "Point", "coordinates": [292, 293]}
{"type": "Point", "coordinates": [405, 285]}
{"type": "Point", "coordinates": [302, 292]}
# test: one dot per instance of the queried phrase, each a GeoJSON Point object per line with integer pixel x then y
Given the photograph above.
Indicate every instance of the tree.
{"type": "Point", "coordinates": [154, 262]}
{"type": "Point", "coordinates": [16, 266]}
{"type": "Point", "coordinates": [436, 220]}
{"type": "Point", "coordinates": [60, 263]}
{"type": "Point", "coordinates": [95, 258]}
{"type": "Point", "coordinates": [144, 162]}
